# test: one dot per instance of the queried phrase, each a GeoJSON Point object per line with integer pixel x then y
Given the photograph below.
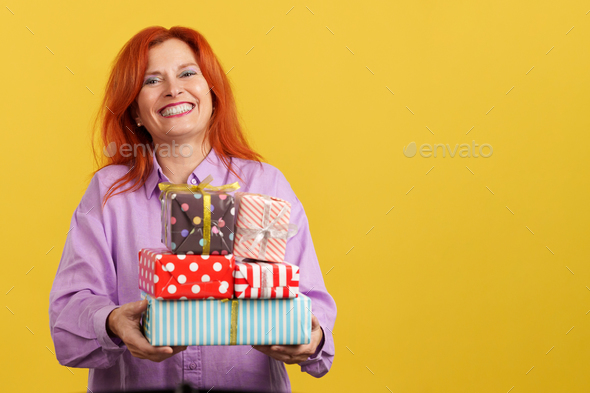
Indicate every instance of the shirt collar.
{"type": "Point", "coordinates": [211, 165]}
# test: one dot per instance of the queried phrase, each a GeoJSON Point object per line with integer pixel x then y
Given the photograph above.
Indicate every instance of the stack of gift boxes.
{"type": "Point", "coordinates": [222, 278]}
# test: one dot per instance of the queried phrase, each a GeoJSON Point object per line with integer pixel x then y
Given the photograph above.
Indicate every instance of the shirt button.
{"type": "Point", "coordinates": [193, 181]}
{"type": "Point", "coordinates": [192, 366]}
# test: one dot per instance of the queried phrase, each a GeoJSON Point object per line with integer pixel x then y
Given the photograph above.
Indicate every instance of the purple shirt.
{"type": "Point", "coordinates": [98, 271]}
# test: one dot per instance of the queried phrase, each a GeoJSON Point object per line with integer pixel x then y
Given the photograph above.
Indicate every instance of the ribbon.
{"type": "Point", "coordinates": [204, 189]}
{"type": "Point", "coordinates": [204, 185]}
{"type": "Point", "coordinates": [214, 223]}
{"type": "Point", "coordinates": [269, 229]}
{"type": "Point", "coordinates": [266, 278]}
{"type": "Point", "coordinates": [206, 222]}
{"type": "Point", "coordinates": [233, 332]}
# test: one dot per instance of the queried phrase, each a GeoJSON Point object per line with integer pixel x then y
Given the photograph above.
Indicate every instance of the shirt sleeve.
{"type": "Point", "coordinates": [84, 291]}
{"type": "Point", "coordinates": [300, 251]}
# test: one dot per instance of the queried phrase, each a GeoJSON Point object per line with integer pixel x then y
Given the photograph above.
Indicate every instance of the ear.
{"type": "Point", "coordinates": [133, 110]}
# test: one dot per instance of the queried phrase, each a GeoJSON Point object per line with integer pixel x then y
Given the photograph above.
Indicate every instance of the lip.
{"type": "Point", "coordinates": [177, 103]}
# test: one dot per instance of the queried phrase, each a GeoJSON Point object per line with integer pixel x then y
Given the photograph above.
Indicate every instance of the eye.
{"type": "Point", "coordinates": [185, 73]}
{"type": "Point", "coordinates": [189, 73]}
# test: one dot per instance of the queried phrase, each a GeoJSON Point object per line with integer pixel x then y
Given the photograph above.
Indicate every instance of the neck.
{"type": "Point", "coordinates": [178, 163]}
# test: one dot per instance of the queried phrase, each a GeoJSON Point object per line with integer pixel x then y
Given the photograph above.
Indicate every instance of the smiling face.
{"type": "Point", "coordinates": [174, 101]}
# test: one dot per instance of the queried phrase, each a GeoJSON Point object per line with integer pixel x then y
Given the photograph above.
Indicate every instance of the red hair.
{"type": "Point", "coordinates": [224, 133]}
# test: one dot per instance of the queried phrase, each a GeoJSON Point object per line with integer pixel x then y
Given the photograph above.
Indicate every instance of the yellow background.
{"type": "Point", "coordinates": [476, 280]}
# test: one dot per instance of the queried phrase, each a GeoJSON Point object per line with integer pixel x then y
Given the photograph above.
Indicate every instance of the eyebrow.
{"type": "Point", "coordinates": [179, 67]}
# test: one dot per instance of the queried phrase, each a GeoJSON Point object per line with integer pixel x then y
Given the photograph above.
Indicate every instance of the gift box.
{"type": "Point", "coordinates": [227, 322]}
{"type": "Point", "coordinates": [198, 219]}
{"type": "Point", "coordinates": [166, 275]}
{"type": "Point", "coordinates": [261, 280]}
{"type": "Point", "coordinates": [262, 227]}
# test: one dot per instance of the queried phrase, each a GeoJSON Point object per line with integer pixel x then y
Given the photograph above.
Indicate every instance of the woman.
{"type": "Point", "coordinates": [168, 115]}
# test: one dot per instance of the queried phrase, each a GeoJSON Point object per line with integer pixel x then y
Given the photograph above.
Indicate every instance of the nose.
{"type": "Point", "coordinates": [173, 88]}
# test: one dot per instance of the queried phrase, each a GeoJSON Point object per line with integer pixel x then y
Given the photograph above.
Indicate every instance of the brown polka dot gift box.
{"type": "Point", "coordinates": [165, 275]}
{"type": "Point", "coordinates": [262, 227]}
{"type": "Point", "coordinates": [198, 219]}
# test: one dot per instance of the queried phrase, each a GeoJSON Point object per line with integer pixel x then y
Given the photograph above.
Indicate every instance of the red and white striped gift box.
{"type": "Point", "coordinates": [261, 280]}
{"type": "Point", "coordinates": [251, 214]}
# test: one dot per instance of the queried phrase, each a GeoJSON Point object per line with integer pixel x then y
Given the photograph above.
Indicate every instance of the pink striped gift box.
{"type": "Point", "coordinates": [262, 227]}
{"type": "Point", "coordinates": [261, 280]}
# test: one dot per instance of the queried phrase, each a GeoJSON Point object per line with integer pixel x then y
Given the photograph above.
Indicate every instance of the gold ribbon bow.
{"type": "Point", "coordinates": [204, 189]}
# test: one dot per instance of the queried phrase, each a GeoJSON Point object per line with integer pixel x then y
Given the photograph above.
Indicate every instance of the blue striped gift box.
{"type": "Point", "coordinates": [209, 322]}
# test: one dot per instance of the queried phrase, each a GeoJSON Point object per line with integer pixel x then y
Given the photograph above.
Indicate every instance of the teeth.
{"type": "Point", "coordinates": [176, 109]}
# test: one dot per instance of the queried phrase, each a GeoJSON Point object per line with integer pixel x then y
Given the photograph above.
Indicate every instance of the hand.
{"type": "Point", "coordinates": [123, 322]}
{"type": "Point", "coordinates": [293, 354]}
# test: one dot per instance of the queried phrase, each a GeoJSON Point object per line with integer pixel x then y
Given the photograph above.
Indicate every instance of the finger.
{"type": "Point", "coordinates": [265, 349]}
{"type": "Point", "coordinates": [282, 349]}
{"type": "Point", "coordinates": [283, 352]}
{"type": "Point", "coordinates": [297, 352]}
{"type": "Point", "coordinates": [136, 308]}
{"type": "Point", "coordinates": [177, 349]}
{"type": "Point", "coordinates": [260, 347]}
{"type": "Point", "coordinates": [160, 353]}
{"type": "Point", "coordinates": [165, 350]}
{"type": "Point", "coordinates": [315, 323]}
{"type": "Point", "coordinates": [287, 349]}
{"type": "Point", "coordinates": [136, 339]}
{"type": "Point", "coordinates": [156, 354]}
{"type": "Point", "coordinates": [279, 356]}
{"type": "Point", "coordinates": [291, 351]}
{"type": "Point", "coordinates": [283, 358]}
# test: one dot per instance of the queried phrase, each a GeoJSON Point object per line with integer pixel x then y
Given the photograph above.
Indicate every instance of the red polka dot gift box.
{"type": "Point", "coordinates": [261, 280]}
{"type": "Point", "coordinates": [166, 275]}
{"type": "Point", "coordinates": [198, 219]}
{"type": "Point", "coordinates": [262, 227]}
